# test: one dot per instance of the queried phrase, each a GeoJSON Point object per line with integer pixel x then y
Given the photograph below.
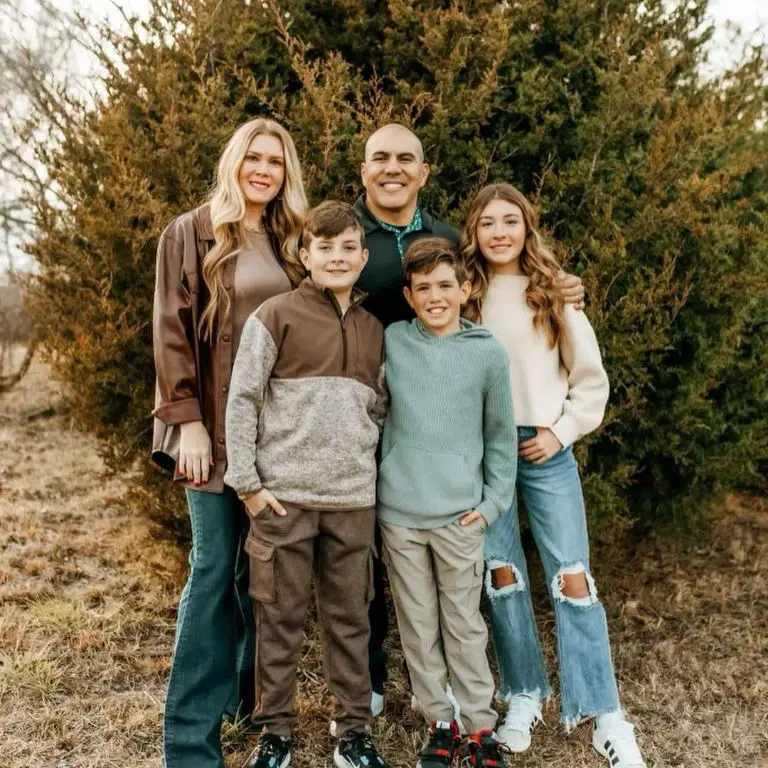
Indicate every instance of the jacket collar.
{"type": "Point", "coordinates": [371, 223]}
{"type": "Point", "coordinates": [204, 223]}
{"type": "Point", "coordinates": [310, 289]}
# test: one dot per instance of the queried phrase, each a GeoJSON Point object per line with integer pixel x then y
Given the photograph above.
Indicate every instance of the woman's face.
{"type": "Point", "coordinates": [262, 171]}
{"type": "Point", "coordinates": [501, 235]}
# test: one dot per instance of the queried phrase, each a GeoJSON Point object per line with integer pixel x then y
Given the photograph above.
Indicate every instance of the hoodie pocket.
{"type": "Point", "coordinates": [412, 479]}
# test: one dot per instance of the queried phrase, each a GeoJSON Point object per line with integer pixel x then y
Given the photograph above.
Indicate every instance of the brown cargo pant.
{"type": "Point", "coordinates": [436, 577]}
{"type": "Point", "coordinates": [283, 553]}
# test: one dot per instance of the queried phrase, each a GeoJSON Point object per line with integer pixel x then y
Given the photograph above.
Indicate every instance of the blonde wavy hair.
{"type": "Point", "coordinates": [282, 218]}
{"type": "Point", "coordinates": [536, 261]}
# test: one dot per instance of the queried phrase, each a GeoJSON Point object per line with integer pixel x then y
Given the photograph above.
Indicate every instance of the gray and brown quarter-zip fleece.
{"type": "Point", "coordinates": [306, 401]}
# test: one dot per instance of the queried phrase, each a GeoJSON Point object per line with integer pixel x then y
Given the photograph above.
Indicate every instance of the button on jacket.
{"type": "Point", "coordinates": [193, 376]}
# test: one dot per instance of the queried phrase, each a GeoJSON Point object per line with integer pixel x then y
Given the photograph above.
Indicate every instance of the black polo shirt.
{"type": "Point", "coordinates": [382, 276]}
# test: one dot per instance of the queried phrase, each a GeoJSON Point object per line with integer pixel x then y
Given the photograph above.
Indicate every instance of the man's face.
{"type": "Point", "coordinates": [394, 169]}
{"type": "Point", "coordinates": [437, 298]}
{"type": "Point", "coordinates": [335, 262]}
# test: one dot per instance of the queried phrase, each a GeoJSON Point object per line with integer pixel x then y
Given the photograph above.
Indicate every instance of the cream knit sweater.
{"type": "Point", "coordinates": [565, 388]}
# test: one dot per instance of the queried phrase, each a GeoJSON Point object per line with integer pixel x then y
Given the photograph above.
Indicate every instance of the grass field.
{"type": "Point", "coordinates": [88, 595]}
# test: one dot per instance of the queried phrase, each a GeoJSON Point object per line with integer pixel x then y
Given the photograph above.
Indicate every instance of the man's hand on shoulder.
{"type": "Point", "coordinates": [572, 288]}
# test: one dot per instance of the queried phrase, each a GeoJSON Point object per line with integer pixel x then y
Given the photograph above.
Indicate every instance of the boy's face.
{"type": "Point", "coordinates": [335, 262]}
{"type": "Point", "coordinates": [437, 298]}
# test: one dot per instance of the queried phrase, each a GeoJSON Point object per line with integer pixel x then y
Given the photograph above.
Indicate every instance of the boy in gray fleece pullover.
{"type": "Point", "coordinates": [448, 471]}
{"type": "Point", "coordinates": [302, 424]}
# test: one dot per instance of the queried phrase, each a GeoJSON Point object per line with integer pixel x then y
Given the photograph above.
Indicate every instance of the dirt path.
{"type": "Point", "coordinates": [87, 609]}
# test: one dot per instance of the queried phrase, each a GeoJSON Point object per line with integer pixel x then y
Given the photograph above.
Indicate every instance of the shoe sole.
{"type": "Point", "coordinates": [513, 748]}
{"type": "Point", "coordinates": [286, 761]}
{"type": "Point", "coordinates": [340, 761]}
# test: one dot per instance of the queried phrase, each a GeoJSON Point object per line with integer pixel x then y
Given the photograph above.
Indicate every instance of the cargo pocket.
{"type": "Point", "coordinates": [261, 583]}
{"type": "Point", "coordinates": [479, 571]}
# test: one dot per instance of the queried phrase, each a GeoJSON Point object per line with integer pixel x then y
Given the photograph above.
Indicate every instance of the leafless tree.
{"type": "Point", "coordinates": [37, 40]}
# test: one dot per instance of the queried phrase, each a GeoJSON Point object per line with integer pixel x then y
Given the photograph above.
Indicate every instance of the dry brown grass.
{"type": "Point", "coordinates": [88, 594]}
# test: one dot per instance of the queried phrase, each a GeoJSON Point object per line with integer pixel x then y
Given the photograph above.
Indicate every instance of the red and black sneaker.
{"type": "Point", "coordinates": [441, 747]}
{"type": "Point", "coordinates": [484, 750]}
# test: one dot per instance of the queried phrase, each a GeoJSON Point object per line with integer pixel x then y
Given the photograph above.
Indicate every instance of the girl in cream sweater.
{"type": "Point", "coordinates": [560, 390]}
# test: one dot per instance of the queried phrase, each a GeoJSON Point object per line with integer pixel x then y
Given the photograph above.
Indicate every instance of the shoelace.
{"type": "Point", "coordinates": [269, 746]}
{"type": "Point", "coordinates": [622, 739]}
{"type": "Point", "coordinates": [442, 741]}
{"type": "Point", "coordinates": [523, 712]}
{"type": "Point", "coordinates": [362, 742]}
{"type": "Point", "coordinates": [490, 750]}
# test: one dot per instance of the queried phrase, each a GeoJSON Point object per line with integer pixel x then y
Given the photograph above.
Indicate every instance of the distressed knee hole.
{"type": "Point", "coordinates": [502, 579]}
{"type": "Point", "coordinates": [503, 576]}
{"type": "Point", "coordinates": [573, 584]}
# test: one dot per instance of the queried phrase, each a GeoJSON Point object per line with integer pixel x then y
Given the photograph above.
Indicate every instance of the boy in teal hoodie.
{"type": "Point", "coordinates": [448, 471]}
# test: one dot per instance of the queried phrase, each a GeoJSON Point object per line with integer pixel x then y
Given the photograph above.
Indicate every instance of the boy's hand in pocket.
{"type": "Point", "coordinates": [259, 501]}
{"type": "Point", "coordinates": [540, 448]}
{"type": "Point", "coordinates": [470, 518]}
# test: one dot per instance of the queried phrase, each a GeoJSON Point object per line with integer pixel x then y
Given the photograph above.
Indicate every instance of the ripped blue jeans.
{"type": "Point", "coordinates": [554, 503]}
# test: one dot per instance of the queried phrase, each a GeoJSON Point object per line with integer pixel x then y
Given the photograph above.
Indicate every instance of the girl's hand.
{"type": "Point", "coordinates": [470, 518]}
{"type": "Point", "coordinates": [540, 448]}
{"type": "Point", "coordinates": [572, 289]}
{"type": "Point", "coordinates": [259, 501]}
{"type": "Point", "coordinates": [195, 459]}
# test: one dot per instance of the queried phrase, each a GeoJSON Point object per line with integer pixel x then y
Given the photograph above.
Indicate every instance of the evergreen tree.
{"type": "Point", "coordinates": [651, 181]}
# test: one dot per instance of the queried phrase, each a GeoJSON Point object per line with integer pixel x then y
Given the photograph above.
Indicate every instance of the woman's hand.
{"type": "Point", "coordinates": [259, 501]}
{"type": "Point", "coordinates": [470, 518]}
{"type": "Point", "coordinates": [572, 289]}
{"type": "Point", "coordinates": [195, 459]}
{"type": "Point", "coordinates": [540, 448]}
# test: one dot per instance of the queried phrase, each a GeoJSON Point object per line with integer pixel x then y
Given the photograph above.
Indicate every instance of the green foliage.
{"type": "Point", "coordinates": [651, 181]}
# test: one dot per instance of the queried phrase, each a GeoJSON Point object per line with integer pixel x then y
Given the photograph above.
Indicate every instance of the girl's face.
{"type": "Point", "coordinates": [262, 171]}
{"type": "Point", "coordinates": [501, 236]}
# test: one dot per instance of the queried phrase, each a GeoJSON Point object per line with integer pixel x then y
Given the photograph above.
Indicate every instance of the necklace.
{"type": "Point", "coordinates": [258, 229]}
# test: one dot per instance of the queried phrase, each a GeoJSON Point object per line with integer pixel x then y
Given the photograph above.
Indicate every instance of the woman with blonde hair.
{"type": "Point", "coordinates": [215, 266]}
{"type": "Point", "coordinates": [559, 390]}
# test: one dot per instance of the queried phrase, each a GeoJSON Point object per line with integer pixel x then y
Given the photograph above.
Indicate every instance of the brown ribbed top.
{"type": "Point", "coordinates": [258, 277]}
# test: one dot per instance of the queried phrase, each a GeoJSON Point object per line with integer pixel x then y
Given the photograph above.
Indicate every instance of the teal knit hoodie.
{"type": "Point", "coordinates": [450, 443]}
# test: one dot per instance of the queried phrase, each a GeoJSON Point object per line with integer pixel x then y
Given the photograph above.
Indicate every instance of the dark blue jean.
{"type": "Point", "coordinates": [213, 657]}
{"type": "Point", "coordinates": [553, 500]}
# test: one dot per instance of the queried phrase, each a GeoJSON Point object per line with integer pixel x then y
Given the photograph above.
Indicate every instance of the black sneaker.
{"type": "Point", "coordinates": [440, 749]}
{"type": "Point", "coordinates": [484, 750]}
{"type": "Point", "coordinates": [272, 751]}
{"type": "Point", "coordinates": [356, 750]}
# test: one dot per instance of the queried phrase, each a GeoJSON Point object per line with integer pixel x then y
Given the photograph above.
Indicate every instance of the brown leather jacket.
{"type": "Point", "coordinates": [192, 374]}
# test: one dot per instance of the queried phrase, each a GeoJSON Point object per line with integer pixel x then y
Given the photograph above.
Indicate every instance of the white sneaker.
{"type": "Point", "coordinates": [523, 714]}
{"type": "Point", "coordinates": [377, 707]}
{"type": "Point", "coordinates": [377, 703]}
{"type": "Point", "coordinates": [617, 742]}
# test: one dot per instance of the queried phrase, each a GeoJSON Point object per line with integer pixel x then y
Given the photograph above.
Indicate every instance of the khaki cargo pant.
{"type": "Point", "coordinates": [284, 552]}
{"type": "Point", "coordinates": [436, 577]}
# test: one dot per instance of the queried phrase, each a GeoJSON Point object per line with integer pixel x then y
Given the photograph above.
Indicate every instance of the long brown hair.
{"type": "Point", "coordinates": [282, 218]}
{"type": "Point", "coordinates": [536, 261]}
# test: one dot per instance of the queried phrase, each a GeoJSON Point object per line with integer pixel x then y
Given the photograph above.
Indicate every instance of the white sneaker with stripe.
{"type": "Point", "coordinates": [617, 743]}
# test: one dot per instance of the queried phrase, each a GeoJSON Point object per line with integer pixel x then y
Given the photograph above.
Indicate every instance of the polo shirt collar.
{"type": "Point", "coordinates": [371, 223]}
